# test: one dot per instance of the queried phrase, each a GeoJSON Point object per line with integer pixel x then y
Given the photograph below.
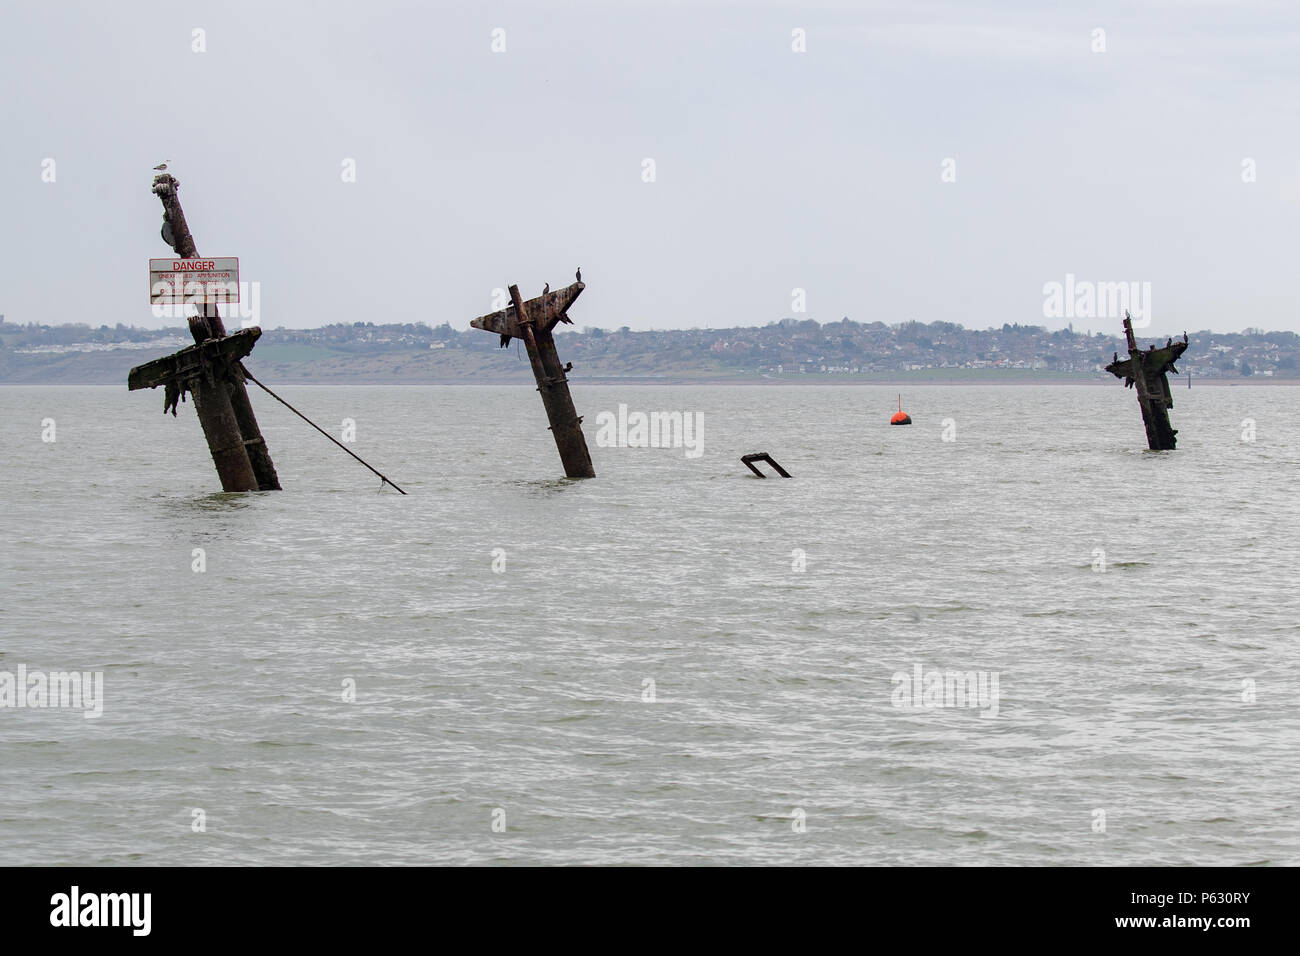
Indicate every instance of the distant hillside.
{"type": "Point", "coordinates": [790, 350]}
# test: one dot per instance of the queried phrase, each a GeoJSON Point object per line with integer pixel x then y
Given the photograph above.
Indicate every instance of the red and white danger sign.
{"type": "Point", "coordinates": [193, 281]}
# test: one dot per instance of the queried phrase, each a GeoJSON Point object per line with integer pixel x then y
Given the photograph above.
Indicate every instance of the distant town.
{"type": "Point", "coordinates": [791, 349]}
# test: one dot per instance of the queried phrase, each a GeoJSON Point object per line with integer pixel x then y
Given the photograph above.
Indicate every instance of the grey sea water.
{"type": "Point", "coordinates": [1157, 697]}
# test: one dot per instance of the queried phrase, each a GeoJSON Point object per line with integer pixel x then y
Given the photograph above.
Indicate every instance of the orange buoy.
{"type": "Point", "coordinates": [901, 417]}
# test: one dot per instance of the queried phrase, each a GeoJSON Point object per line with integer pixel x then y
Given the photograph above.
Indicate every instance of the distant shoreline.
{"type": "Point", "coordinates": [787, 353]}
{"type": "Point", "coordinates": [476, 368]}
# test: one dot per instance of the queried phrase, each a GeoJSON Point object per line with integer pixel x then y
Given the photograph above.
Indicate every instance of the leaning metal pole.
{"type": "Point", "coordinates": [553, 385]}
{"type": "Point", "coordinates": [208, 325]}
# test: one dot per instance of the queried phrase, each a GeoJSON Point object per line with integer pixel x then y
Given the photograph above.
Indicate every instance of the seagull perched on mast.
{"type": "Point", "coordinates": [162, 167]}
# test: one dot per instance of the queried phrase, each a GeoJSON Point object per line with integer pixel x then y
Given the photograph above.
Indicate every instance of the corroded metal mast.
{"type": "Point", "coordinates": [205, 372]}
{"type": "Point", "coordinates": [1146, 372]}
{"type": "Point", "coordinates": [210, 370]}
{"type": "Point", "coordinates": [532, 321]}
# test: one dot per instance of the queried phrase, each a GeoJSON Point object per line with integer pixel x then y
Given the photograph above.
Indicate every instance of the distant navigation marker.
{"type": "Point", "coordinates": [900, 417]}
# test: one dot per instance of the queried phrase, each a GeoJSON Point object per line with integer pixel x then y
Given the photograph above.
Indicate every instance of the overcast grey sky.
{"type": "Point", "coordinates": [774, 169]}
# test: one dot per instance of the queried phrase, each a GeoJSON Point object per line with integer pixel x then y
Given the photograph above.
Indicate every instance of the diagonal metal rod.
{"type": "Point", "coordinates": [249, 376]}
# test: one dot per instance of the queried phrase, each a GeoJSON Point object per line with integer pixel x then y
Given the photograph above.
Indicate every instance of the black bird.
{"type": "Point", "coordinates": [547, 289]}
{"type": "Point", "coordinates": [1168, 342]}
{"type": "Point", "coordinates": [578, 275]}
{"type": "Point", "coordinates": [1115, 358]}
{"type": "Point", "coordinates": [505, 342]}
{"type": "Point", "coordinates": [1184, 338]}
